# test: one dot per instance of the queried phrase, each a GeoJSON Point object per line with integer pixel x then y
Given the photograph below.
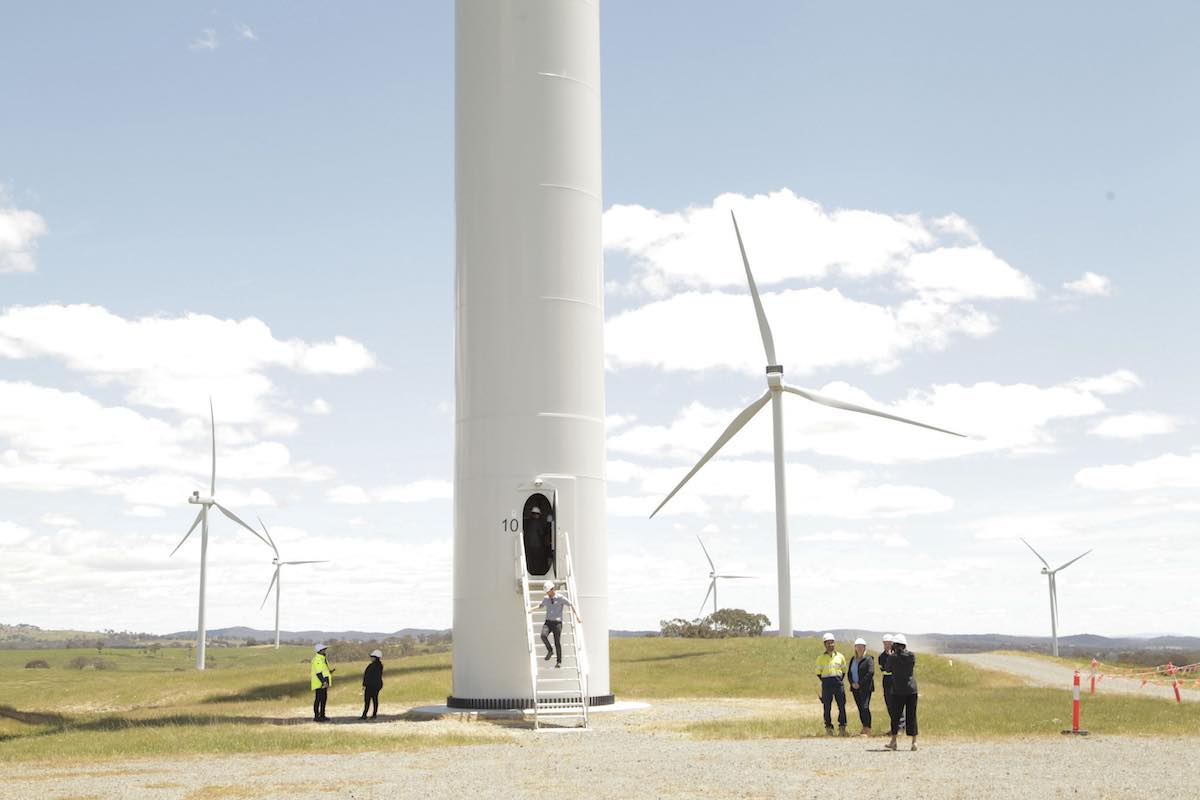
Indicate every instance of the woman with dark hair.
{"type": "Point", "coordinates": [901, 663]}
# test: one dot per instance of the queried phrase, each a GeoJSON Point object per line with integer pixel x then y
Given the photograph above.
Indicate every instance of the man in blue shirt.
{"type": "Point", "coordinates": [554, 605]}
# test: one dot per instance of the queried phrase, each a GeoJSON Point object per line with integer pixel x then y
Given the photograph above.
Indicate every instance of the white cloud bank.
{"type": "Point", "coordinates": [937, 268]}
{"type": "Point", "coordinates": [789, 238]}
{"type": "Point", "coordinates": [998, 418]}
{"type": "Point", "coordinates": [177, 363]}
{"type": "Point", "coordinates": [1137, 425]}
{"type": "Point", "coordinates": [19, 232]}
{"type": "Point", "coordinates": [1168, 471]}
{"type": "Point", "coordinates": [421, 491]}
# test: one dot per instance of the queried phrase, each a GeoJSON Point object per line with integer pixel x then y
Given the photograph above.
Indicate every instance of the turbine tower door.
{"type": "Point", "coordinates": [537, 531]}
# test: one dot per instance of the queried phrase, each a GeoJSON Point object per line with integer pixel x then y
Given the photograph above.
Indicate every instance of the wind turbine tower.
{"type": "Point", "coordinates": [202, 520]}
{"type": "Point", "coordinates": [276, 583]}
{"type": "Point", "coordinates": [529, 328]}
{"type": "Point", "coordinates": [774, 394]}
{"type": "Point", "coordinates": [1051, 576]}
{"type": "Point", "coordinates": [713, 578]}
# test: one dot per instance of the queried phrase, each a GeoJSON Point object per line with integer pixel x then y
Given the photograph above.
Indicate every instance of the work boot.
{"type": "Point", "coordinates": [865, 732]}
{"type": "Point", "coordinates": [549, 655]}
{"type": "Point", "coordinates": [891, 745]}
{"type": "Point", "coordinates": [842, 730]}
{"type": "Point", "coordinates": [829, 730]}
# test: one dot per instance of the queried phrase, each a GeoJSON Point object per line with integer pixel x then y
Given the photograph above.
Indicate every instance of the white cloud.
{"type": "Point", "coordinates": [421, 491]}
{"type": "Point", "coordinates": [614, 421]}
{"type": "Point", "coordinates": [58, 520]}
{"type": "Point", "coordinates": [738, 485]}
{"type": "Point", "coordinates": [700, 331]}
{"type": "Point", "coordinates": [19, 231]}
{"type": "Point", "coordinates": [319, 407]}
{"type": "Point", "coordinates": [177, 363]}
{"type": "Point", "coordinates": [206, 41]}
{"type": "Point", "coordinates": [12, 535]}
{"type": "Point", "coordinates": [1090, 284]}
{"type": "Point", "coordinates": [1169, 471]}
{"type": "Point", "coordinates": [1136, 425]}
{"type": "Point", "coordinates": [1117, 382]}
{"type": "Point", "coordinates": [1011, 418]}
{"type": "Point", "coordinates": [245, 32]}
{"type": "Point", "coordinates": [789, 237]}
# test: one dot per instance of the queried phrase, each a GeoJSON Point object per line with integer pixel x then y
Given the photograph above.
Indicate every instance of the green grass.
{"type": "Point", "coordinates": [251, 698]}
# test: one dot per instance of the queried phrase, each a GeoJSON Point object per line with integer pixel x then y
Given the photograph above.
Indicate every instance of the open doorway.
{"type": "Point", "coordinates": [537, 525]}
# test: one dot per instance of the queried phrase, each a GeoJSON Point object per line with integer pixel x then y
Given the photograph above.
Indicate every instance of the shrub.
{"type": "Point", "coordinates": [79, 662]}
{"type": "Point", "coordinates": [100, 663]}
{"type": "Point", "coordinates": [37, 663]}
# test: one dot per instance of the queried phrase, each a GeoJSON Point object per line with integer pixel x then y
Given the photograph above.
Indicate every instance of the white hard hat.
{"type": "Point", "coordinates": [900, 639]}
{"type": "Point", "coordinates": [376, 654]}
{"type": "Point", "coordinates": [318, 647]}
{"type": "Point", "coordinates": [829, 638]}
{"type": "Point", "coordinates": [861, 641]}
{"type": "Point", "coordinates": [547, 586]}
{"type": "Point", "coordinates": [887, 637]}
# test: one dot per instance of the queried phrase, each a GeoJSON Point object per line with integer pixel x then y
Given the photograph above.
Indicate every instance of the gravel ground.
{"type": "Point", "coordinates": [1038, 672]}
{"type": "Point", "coordinates": [641, 754]}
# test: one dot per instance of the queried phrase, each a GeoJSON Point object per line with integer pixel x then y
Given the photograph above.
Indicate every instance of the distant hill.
{"type": "Point", "coordinates": [243, 633]}
{"type": "Point", "coordinates": [1083, 644]}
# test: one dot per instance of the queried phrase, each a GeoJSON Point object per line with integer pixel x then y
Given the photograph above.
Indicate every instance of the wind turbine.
{"type": "Point", "coordinates": [202, 520]}
{"type": "Point", "coordinates": [712, 587]}
{"type": "Point", "coordinates": [275, 582]}
{"type": "Point", "coordinates": [775, 389]}
{"type": "Point", "coordinates": [1050, 574]}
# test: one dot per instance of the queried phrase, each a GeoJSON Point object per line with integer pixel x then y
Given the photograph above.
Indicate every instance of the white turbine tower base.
{"type": "Point", "coordinates": [276, 583]}
{"type": "Point", "coordinates": [713, 577]}
{"type": "Point", "coordinates": [1052, 579]}
{"type": "Point", "coordinates": [775, 389]}
{"type": "Point", "coordinates": [202, 520]}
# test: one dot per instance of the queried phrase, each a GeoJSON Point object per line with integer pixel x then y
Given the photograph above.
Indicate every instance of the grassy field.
{"type": "Point", "coordinates": [252, 697]}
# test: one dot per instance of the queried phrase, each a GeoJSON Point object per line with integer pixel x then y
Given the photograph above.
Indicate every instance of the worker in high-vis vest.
{"type": "Point", "coordinates": [831, 669]}
{"type": "Point", "coordinates": [321, 678]}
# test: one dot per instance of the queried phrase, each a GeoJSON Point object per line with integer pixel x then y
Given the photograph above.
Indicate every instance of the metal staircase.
{"type": "Point", "coordinates": [559, 694]}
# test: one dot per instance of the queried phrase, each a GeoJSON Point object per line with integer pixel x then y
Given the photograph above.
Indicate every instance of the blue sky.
{"type": "Point", "coordinates": [257, 201]}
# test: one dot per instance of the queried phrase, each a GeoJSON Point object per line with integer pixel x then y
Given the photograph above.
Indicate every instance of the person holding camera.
{"type": "Point", "coordinates": [901, 663]}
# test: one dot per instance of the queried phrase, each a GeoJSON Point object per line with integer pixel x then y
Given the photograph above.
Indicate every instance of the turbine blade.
{"type": "Point", "coordinates": [189, 533]}
{"type": "Point", "coordinates": [764, 327]}
{"type": "Point", "coordinates": [704, 602]}
{"type": "Point", "coordinates": [212, 421]}
{"type": "Point", "coordinates": [738, 423]}
{"type": "Point", "coordinates": [706, 555]}
{"type": "Point", "coordinates": [270, 541]}
{"type": "Point", "coordinates": [1036, 553]}
{"type": "Point", "coordinates": [735, 576]}
{"type": "Point", "coordinates": [1073, 560]}
{"type": "Point", "coordinates": [304, 562]}
{"type": "Point", "coordinates": [843, 405]}
{"type": "Point", "coordinates": [270, 586]}
{"type": "Point", "coordinates": [238, 520]}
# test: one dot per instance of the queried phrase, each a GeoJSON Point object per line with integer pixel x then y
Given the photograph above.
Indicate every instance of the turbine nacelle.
{"type": "Point", "coordinates": [196, 499]}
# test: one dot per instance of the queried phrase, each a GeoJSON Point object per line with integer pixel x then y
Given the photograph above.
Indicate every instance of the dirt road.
{"type": "Point", "coordinates": [642, 755]}
{"type": "Point", "coordinates": [1039, 672]}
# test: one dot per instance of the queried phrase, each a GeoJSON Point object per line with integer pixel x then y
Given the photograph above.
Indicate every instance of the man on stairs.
{"type": "Point", "coordinates": [554, 605]}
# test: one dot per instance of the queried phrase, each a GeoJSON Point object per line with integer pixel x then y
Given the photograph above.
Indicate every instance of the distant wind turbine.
{"type": "Point", "coordinates": [1050, 574]}
{"type": "Point", "coordinates": [712, 587]}
{"type": "Point", "coordinates": [275, 582]}
{"type": "Point", "coordinates": [202, 521]}
{"type": "Point", "coordinates": [775, 389]}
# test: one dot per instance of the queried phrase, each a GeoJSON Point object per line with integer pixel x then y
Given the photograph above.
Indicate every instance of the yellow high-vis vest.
{"type": "Point", "coordinates": [319, 667]}
{"type": "Point", "coordinates": [831, 665]}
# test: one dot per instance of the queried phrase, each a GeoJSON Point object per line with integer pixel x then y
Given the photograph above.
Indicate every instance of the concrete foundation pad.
{"type": "Point", "coordinates": [471, 714]}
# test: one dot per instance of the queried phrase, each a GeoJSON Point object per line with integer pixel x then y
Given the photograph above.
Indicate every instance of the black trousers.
{"type": "Point", "coordinates": [553, 626]}
{"type": "Point", "coordinates": [319, 698]}
{"type": "Point", "coordinates": [904, 707]}
{"type": "Point", "coordinates": [862, 699]}
{"type": "Point", "coordinates": [831, 690]}
{"type": "Point", "coordinates": [370, 696]}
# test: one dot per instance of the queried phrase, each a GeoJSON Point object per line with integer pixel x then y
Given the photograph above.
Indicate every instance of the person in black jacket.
{"type": "Point", "coordinates": [861, 675]}
{"type": "Point", "coordinates": [901, 664]}
{"type": "Point", "coordinates": [372, 683]}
